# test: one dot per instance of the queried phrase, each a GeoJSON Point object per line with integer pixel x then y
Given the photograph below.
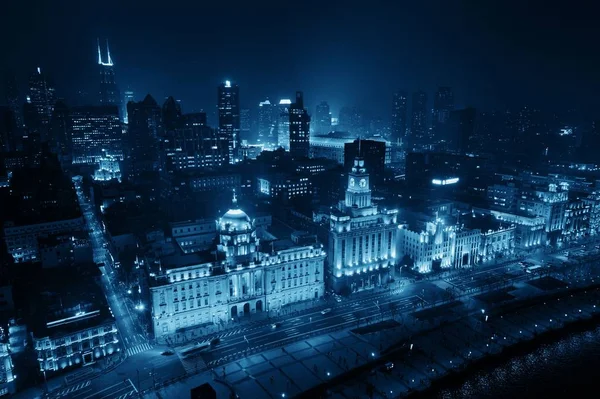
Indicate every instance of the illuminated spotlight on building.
{"type": "Point", "coordinates": [445, 182]}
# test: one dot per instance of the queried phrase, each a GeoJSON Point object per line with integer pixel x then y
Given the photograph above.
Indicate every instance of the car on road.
{"type": "Point", "coordinates": [338, 298]}
{"type": "Point", "coordinates": [325, 311]}
{"type": "Point", "coordinates": [276, 325]}
{"type": "Point", "coordinates": [387, 367]}
{"type": "Point", "coordinates": [215, 341]}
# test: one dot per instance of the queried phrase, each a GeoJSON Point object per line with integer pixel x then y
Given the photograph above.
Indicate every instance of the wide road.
{"type": "Point", "coordinates": [132, 335]}
{"type": "Point", "coordinates": [348, 313]}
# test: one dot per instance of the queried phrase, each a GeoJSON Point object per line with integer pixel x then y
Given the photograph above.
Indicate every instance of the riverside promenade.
{"type": "Point", "coordinates": [423, 345]}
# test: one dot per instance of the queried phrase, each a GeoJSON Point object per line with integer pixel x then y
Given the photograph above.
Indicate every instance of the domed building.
{"type": "Point", "coordinates": [243, 281]}
{"type": "Point", "coordinates": [237, 235]}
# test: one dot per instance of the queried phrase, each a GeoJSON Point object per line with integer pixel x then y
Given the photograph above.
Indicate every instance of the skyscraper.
{"type": "Point", "coordinates": [109, 92]}
{"type": "Point", "coordinates": [13, 100]}
{"type": "Point", "coordinates": [322, 122]}
{"type": "Point", "coordinates": [399, 113]}
{"type": "Point", "coordinates": [96, 129]}
{"type": "Point", "coordinates": [40, 102]}
{"type": "Point", "coordinates": [418, 124]}
{"type": "Point", "coordinates": [229, 117]}
{"type": "Point", "coordinates": [461, 125]}
{"type": "Point", "coordinates": [61, 132]}
{"type": "Point", "coordinates": [245, 124]}
{"type": "Point", "coordinates": [283, 124]}
{"type": "Point", "coordinates": [142, 136]}
{"type": "Point", "coordinates": [171, 114]}
{"type": "Point", "coordinates": [127, 97]}
{"type": "Point", "coordinates": [443, 105]}
{"type": "Point", "coordinates": [266, 123]}
{"type": "Point", "coordinates": [299, 127]}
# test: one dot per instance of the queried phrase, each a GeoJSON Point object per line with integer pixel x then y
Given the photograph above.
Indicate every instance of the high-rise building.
{"type": "Point", "coordinates": [127, 97]}
{"type": "Point", "coordinates": [299, 127]}
{"type": "Point", "coordinates": [96, 130]}
{"type": "Point", "coordinates": [418, 124]}
{"type": "Point", "coordinates": [194, 145]}
{"type": "Point", "coordinates": [40, 104]}
{"type": "Point", "coordinates": [362, 237]}
{"type": "Point", "coordinates": [171, 114]}
{"type": "Point", "coordinates": [143, 133]}
{"type": "Point", "coordinates": [461, 126]}
{"type": "Point", "coordinates": [229, 117]}
{"type": "Point", "coordinates": [245, 124]}
{"type": "Point", "coordinates": [322, 121]}
{"type": "Point", "coordinates": [267, 117]}
{"type": "Point", "coordinates": [9, 140]}
{"type": "Point", "coordinates": [13, 99]}
{"type": "Point", "coordinates": [443, 105]}
{"type": "Point", "coordinates": [399, 112]}
{"type": "Point", "coordinates": [109, 92]}
{"type": "Point", "coordinates": [283, 124]}
{"type": "Point", "coordinates": [61, 132]}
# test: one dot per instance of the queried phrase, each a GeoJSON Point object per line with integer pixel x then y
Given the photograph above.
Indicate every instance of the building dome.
{"type": "Point", "coordinates": [235, 219]}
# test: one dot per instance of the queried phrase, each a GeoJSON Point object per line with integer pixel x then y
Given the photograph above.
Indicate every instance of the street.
{"type": "Point", "coordinates": [132, 335]}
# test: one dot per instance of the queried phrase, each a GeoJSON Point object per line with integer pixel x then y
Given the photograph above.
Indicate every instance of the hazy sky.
{"type": "Point", "coordinates": [492, 53]}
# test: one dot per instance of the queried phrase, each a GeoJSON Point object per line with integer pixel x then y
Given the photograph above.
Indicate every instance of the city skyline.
{"type": "Point", "coordinates": [488, 65]}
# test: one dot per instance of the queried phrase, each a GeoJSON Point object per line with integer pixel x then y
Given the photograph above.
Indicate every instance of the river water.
{"type": "Point", "coordinates": [567, 367]}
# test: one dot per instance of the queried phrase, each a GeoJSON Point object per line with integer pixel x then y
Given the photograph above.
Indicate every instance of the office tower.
{"type": "Point", "coordinates": [362, 237]}
{"type": "Point", "coordinates": [9, 139]}
{"type": "Point", "coordinates": [322, 120]}
{"type": "Point", "coordinates": [461, 125]}
{"type": "Point", "coordinates": [143, 133]}
{"type": "Point", "coordinates": [245, 124]}
{"type": "Point", "coordinates": [13, 99]}
{"type": "Point", "coordinates": [443, 105]}
{"type": "Point", "coordinates": [40, 104]}
{"type": "Point", "coordinates": [418, 134]}
{"type": "Point", "coordinates": [61, 133]}
{"type": "Point", "coordinates": [283, 124]}
{"type": "Point", "coordinates": [96, 130]}
{"type": "Point", "coordinates": [373, 152]}
{"type": "Point", "coordinates": [127, 97]}
{"type": "Point", "coordinates": [299, 127]}
{"type": "Point", "coordinates": [399, 113]}
{"type": "Point", "coordinates": [171, 114]}
{"type": "Point", "coordinates": [229, 117]}
{"type": "Point", "coordinates": [266, 123]}
{"type": "Point", "coordinates": [109, 92]}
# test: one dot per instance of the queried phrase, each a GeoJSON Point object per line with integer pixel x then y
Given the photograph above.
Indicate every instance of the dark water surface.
{"type": "Point", "coordinates": [566, 366]}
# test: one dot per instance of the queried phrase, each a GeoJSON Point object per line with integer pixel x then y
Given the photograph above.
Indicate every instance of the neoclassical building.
{"type": "Point", "coordinates": [362, 237]}
{"type": "Point", "coordinates": [241, 280]}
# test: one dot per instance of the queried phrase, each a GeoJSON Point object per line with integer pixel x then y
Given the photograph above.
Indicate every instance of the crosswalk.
{"type": "Point", "coordinates": [72, 389]}
{"type": "Point", "coordinates": [138, 349]}
{"type": "Point", "coordinates": [233, 332]}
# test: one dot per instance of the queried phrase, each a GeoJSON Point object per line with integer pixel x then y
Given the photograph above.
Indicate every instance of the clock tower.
{"type": "Point", "coordinates": [358, 193]}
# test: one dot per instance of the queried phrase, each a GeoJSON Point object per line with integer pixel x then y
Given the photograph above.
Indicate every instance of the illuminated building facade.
{"type": "Point", "coordinates": [96, 131]}
{"type": "Point", "coordinates": [593, 201]}
{"type": "Point", "coordinates": [284, 187]}
{"type": "Point", "coordinates": [299, 127]}
{"type": "Point", "coordinates": [243, 281]}
{"type": "Point", "coordinates": [439, 246]}
{"type": "Point", "coordinates": [266, 124]}
{"type": "Point", "coordinates": [109, 168]}
{"type": "Point", "coordinates": [283, 124]}
{"type": "Point", "coordinates": [229, 118]}
{"type": "Point", "coordinates": [550, 204]}
{"type": "Point", "coordinates": [362, 237]}
{"type": "Point", "coordinates": [7, 376]}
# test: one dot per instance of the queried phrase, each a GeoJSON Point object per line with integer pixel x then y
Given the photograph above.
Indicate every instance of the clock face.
{"type": "Point", "coordinates": [363, 182]}
{"type": "Point", "coordinates": [351, 182]}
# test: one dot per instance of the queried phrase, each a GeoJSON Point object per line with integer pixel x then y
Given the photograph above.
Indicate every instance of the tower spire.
{"type": "Point", "coordinates": [359, 146]}
{"type": "Point", "coordinates": [234, 198]}
{"type": "Point", "coordinates": [99, 53]}
{"type": "Point", "coordinates": [108, 52]}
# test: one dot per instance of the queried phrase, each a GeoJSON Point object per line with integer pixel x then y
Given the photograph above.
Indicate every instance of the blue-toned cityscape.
{"type": "Point", "coordinates": [273, 243]}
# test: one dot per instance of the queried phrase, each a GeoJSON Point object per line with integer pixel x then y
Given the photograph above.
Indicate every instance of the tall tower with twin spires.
{"type": "Point", "coordinates": [109, 91]}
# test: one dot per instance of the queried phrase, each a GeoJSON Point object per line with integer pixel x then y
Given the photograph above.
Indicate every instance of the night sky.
{"type": "Point", "coordinates": [493, 54]}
